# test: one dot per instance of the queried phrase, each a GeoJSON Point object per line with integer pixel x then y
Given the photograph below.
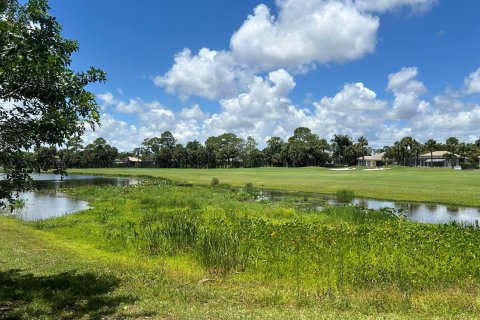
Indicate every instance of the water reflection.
{"type": "Point", "coordinates": [47, 203]}
{"type": "Point", "coordinates": [424, 212]}
{"type": "Point", "coordinates": [53, 181]}
{"type": "Point", "coordinates": [44, 204]}
{"type": "Point", "coordinates": [415, 211]}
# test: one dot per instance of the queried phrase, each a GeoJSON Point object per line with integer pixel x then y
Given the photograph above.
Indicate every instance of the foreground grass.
{"type": "Point", "coordinates": [407, 184]}
{"type": "Point", "coordinates": [162, 250]}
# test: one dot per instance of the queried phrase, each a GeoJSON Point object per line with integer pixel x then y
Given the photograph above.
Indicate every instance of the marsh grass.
{"type": "Point", "coordinates": [344, 196]}
{"type": "Point", "coordinates": [339, 247]}
{"type": "Point", "coordinates": [301, 258]}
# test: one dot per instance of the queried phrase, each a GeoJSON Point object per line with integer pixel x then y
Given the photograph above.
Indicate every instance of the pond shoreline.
{"type": "Point", "coordinates": [273, 189]}
{"type": "Point", "coordinates": [418, 211]}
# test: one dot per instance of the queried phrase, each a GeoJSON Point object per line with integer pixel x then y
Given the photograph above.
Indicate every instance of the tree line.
{"type": "Point", "coordinates": [303, 148]}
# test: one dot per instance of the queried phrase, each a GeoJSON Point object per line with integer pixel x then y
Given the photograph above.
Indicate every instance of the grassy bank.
{"type": "Point", "coordinates": [164, 250]}
{"type": "Point", "coordinates": [408, 184]}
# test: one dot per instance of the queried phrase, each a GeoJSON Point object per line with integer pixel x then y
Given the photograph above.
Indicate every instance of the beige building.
{"type": "Point", "coordinates": [375, 160]}
{"type": "Point", "coordinates": [439, 159]}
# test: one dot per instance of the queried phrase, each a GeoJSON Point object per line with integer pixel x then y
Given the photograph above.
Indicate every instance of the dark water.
{"type": "Point", "coordinates": [47, 203]}
{"type": "Point", "coordinates": [415, 211]}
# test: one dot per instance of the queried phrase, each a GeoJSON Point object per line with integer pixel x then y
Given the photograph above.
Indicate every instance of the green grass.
{"type": "Point", "coordinates": [407, 184]}
{"type": "Point", "coordinates": [164, 250]}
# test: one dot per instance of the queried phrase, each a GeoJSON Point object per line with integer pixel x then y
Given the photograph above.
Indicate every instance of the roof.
{"type": "Point", "coordinates": [437, 154]}
{"type": "Point", "coordinates": [375, 157]}
{"type": "Point", "coordinates": [133, 159]}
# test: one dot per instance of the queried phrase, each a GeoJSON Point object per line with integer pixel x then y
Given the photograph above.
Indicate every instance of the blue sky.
{"type": "Point", "coordinates": [378, 68]}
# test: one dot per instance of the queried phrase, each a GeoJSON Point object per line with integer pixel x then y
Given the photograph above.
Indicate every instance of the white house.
{"type": "Point", "coordinates": [439, 159]}
{"type": "Point", "coordinates": [375, 160]}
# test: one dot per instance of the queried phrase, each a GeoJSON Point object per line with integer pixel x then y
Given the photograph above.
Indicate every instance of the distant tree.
{"type": "Point", "coordinates": [339, 145]}
{"type": "Point", "coordinates": [46, 158]}
{"type": "Point", "coordinates": [462, 150]}
{"type": "Point", "coordinates": [151, 148]}
{"type": "Point", "coordinates": [303, 146]}
{"type": "Point", "coordinates": [71, 155]}
{"type": "Point", "coordinates": [179, 156]}
{"type": "Point", "coordinates": [202, 157]}
{"type": "Point", "coordinates": [141, 153]}
{"type": "Point", "coordinates": [212, 150]}
{"type": "Point", "coordinates": [100, 154]}
{"type": "Point", "coordinates": [351, 153]}
{"type": "Point", "coordinates": [125, 154]}
{"type": "Point", "coordinates": [452, 144]}
{"type": "Point", "coordinates": [431, 146]}
{"type": "Point", "coordinates": [251, 156]}
{"type": "Point", "coordinates": [223, 149]}
{"type": "Point", "coordinates": [193, 149]}
{"type": "Point", "coordinates": [477, 143]}
{"type": "Point", "coordinates": [298, 146]}
{"type": "Point", "coordinates": [362, 143]}
{"type": "Point", "coordinates": [273, 152]}
{"type": "Point", "coordinates": [416, 149]}
{"type": "Point", "coordinates": [42, 100]}
{"type": "Point", "coordinates": [284, 154]}
{"type": "Point", "coordinates": [322, 146]}
{"type": "Point", "coordinates": [159, 149]}
{"type": "Point", "coordinates": [165, 154]}
{"type": "Point", "coordinates": [410, 148]}
{"type": "Point", "coordinates": [167, 140]}
{"type": "Point", "coordinates": [230, 147]}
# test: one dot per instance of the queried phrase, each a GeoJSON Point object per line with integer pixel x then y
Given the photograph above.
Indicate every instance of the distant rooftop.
{"type": "Point", "coordinates": [375, 157]}
{"type": "Point", "coordinates": [437, 154]}
{"type": "Point", "coordinates": [133, 159]}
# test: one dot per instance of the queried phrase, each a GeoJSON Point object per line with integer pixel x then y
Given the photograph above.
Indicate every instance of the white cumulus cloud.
{"type": "Point", "coordinates": [472, 82]}
{"type": "Point", "coordinates": [407, 91]}
{"type": "Point", "coordinates": [441, 124]}
{"type": "Point", "coordinates": [354, 96]}
{"type": "Point", "coordinates": [210, 74]}
{"type": "Point", "coordinates": [305, 31]}
{"type": "Point", "coordinates": [355, 110]}
{"type": "Point", "coordinates": [107, 98]}
{"type": "Point", "coordinates": [265, 100]}
{"type": "Point", "coordinates": [193, 113]}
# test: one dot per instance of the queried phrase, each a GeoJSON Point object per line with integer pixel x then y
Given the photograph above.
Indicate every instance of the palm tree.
{"type": "Point", "coordinates": [362, 142]}
{"type": "Point", "coordinates": [452, 144]}
{"type": "Point", "coordinates": [431, 145]}
{"type": "Point", "coordinates": [339, 144]}
{"type": "Point", "coordinates": [406, 144]}
{"type": "Point", "coordinates": [416, 146]}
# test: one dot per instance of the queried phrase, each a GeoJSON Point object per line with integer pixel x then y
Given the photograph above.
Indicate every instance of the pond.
{"type": "Point", "coordinates": [47, 203]}
{"type": "Point", "coordinates": [415, 211]}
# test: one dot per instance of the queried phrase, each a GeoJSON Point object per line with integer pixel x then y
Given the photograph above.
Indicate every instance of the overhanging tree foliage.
{"type": "Point", "coordinates": [42, 100]}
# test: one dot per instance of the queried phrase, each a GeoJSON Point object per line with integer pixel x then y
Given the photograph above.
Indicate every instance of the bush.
{"type": "Point", "coordinates": [214, 182]}
{"type": "Point", "coordinates": [468, 165]}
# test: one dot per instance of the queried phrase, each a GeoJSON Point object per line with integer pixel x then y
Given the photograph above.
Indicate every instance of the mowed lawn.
{"type": "Point", "coordinates": [407, 184]}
